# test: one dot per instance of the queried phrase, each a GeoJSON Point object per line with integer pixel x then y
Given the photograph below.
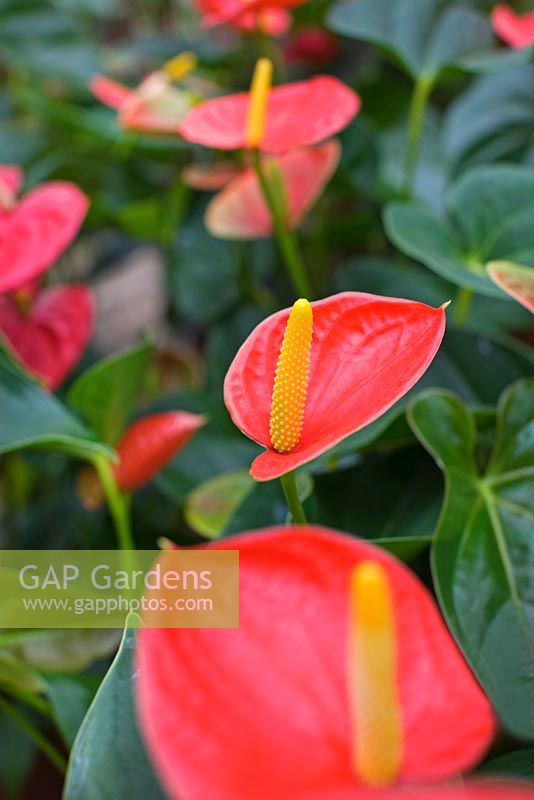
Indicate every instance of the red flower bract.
{"type": "Point", "coordinates": [262, 711]}
{"type": "Point", "coordinates": [51, 338]}
{"type": "Point", "coordinates": [367, 351]}
{"type": "Point", "coordinates": [150, 443]}
{"type": "Point", "coordinates": [35, 231]}
{"type": "Point", "coordinates": [517, 30]}
{"type": "Point", "coordinates": [240, 210]}
{"type": "Point", "coordinates": [298, 114]}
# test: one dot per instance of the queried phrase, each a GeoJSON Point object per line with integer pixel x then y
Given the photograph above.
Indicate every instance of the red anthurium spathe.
{"type": "Point", "coordinates": [150, 443]}
{"type": "Point", "coordinates": [240, 210]}
{"type": "Point", "coordinates": [269, 16]}
{"type": "Point", "coordinates": [273, 120]}
{"type": "Point", "coordinates": [35, 230]}
{"type": "Point", "coordinates": [517, 30]}
{"type": "Point", "coordinates": [156, 105]}
{"type": "Point", "coordinates": [515, 280]}
{"type": "Point", "coordinates": [48, 330]}
{"type": "Point", "coordinates": [308, 377]}
{"type": "Point", "coordinates": [342, 677]}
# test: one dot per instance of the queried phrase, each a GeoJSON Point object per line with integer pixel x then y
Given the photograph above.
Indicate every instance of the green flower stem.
{"type": "Point", "coordinates": [420, 96]}
{"type": "Point", "coordinates": [462, 305]}
{"type": "Point", "coordinates": [118, 503]}
{"type": "Point", "coordinates": [289, 485]}
{"type": "Point", "coordinates": [286, 239]}
{"type": "Point", "coordinates": [46, 747]}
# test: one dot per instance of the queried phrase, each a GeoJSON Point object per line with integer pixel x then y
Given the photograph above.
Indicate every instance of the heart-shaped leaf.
{"type": "Point", "coordinates": [423, 36]}
{"type": "Point", "coordinates": [108, 759]}
{"type": "Point", "coordinates": [107, 393]}
{"type": "Point", "coordinates": [484, 548]}
{"type": "Point", "coordinates": [70, 697]}
{"type": "Point", "coordinates": [490, 120]}
{"type": "Point", "coordinates": [489, 214]}
{"type": "Point", "coordinates": [30, 417]}
{"type": "Point", "coordinates": [210, 506]}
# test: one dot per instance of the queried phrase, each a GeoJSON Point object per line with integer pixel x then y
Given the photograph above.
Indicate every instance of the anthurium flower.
{"type": "Point", "coordinates": [35, 230]}
{"type": "Point", "coordinates": [309, 376]}
{"type": "Point", "coordinates": [48, 330]}
{"type": "Point", "coordinates": [515, 280]}
{"type": "Point", "coordinates": [517, 30]}
{"type": "Point", "coordinates": [269, 16]}
{"type": "Point", "coordinates": [341, 678]}
{"type": "Point", "coordinates": [240, 210]}
{"type": "Point", "coordinates": [273, 120]}
{"type": "Point", "coordinates": [156, 105]}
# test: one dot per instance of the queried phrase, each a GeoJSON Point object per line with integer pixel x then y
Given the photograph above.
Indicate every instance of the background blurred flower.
{"type": "Point", "coordinates": [210, 177]}
{"type": "Point", "coordinates": [268, 710]}
{"type": "Point", "coordinates": [35, 230]}
{"type": "Point", "coordinates": [48, 330]}
{"type": "Point", "coordinates": [366, 352]}
{"type": "Point", "coordinates": [240, 210]}
{"type": "Point", "coordinates": [269, 16]}
{"type": "Point", "coordinates": [312, 45]}
{"type": "Point", "coordinates": [517, 30]}
{"type": "Point", "coordinates": [514, 279]}
{"type": "Point", "coordinates": [156, 105]}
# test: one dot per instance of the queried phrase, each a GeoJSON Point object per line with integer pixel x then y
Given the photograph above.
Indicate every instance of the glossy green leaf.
{"type": "Point", "coordinates": [424, 36]}
{"type": "Point", "coordinates": [210, 506]}
{"type": "Point", "coordinates": [492, 119]}
{"type": "Point", "coordinates": [519, 764]}
{"type": "Point", "coordinates": [31, 417]}
{"type": "Point", "coordinates": [108, 759]}
{"type": "Point", "coordinates": [17, 755]}
{"type": "Point", "coordinates": [484, 548]}
{"type": "Point", "coordinates": [70, 699]}
{"type": "Point", "coordinates": [489, 218]}
{"type": "Point", "coordinates": [384, 496]}
{"type": "Point", "coordinates": [107, 393]}
{"type": "Point", "coordinates": [203, 274]}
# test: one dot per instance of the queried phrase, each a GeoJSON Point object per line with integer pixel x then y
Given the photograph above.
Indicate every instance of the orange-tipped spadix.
{"type": "Point", "coordinates": [180, 66]}
{"type": "Point", "coordinates": [259, 99]}
{"type": "Point", "coordinates": [372, 671]}
{"type": "Point", "coordinates": [291, 379]}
